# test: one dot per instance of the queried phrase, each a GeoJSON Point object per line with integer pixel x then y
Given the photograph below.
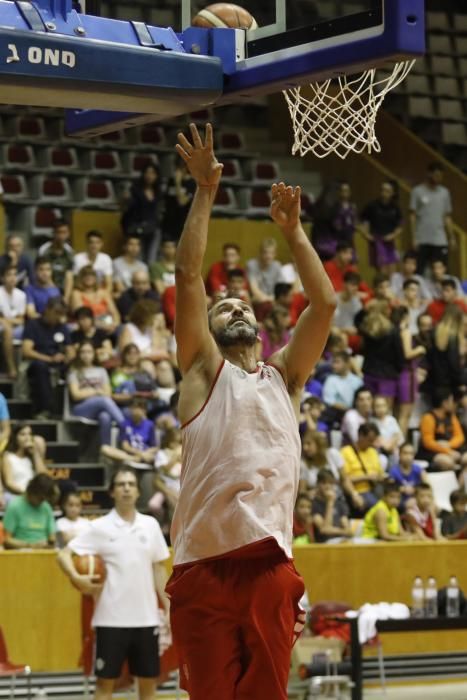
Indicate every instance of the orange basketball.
{"type": "Point", "coordinates": [225, 15]}
{"type": "Point", "coordinates": [90, 565]}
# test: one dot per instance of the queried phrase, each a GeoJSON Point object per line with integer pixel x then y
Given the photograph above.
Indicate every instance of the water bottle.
{"type": "Point", "coordinates": [431, 598]}
{"type": "Point", "coordinates": [418, 598]}
{"type": "Point", "coordinates": [453, 598]}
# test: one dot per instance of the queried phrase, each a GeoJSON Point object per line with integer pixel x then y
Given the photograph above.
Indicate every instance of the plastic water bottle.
{"type": "Point", "coordinates": [453, 598]}
{"type": "Point", "coordinates": [431, 598]}
{"type": "Point", "coordinates": [418, 598]}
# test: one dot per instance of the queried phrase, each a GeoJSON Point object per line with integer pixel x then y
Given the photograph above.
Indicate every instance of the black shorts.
{"type": "Point", "coordinates": [137, 645]}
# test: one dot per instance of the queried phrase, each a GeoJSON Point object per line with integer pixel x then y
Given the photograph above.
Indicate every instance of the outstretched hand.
{"type": "Point", "coordinates": [285, 206]}
{"type": "Point", "coordinates": [200, 158]}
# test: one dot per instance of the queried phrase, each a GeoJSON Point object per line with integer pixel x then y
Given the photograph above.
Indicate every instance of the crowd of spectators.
{"type": "Point", "coordinates": [386, 403]}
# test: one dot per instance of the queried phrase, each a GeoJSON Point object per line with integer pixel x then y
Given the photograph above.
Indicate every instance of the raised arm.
{"type": "Point", "coordinates": [194, 340]}
{"type": "Point", "coordinates": [304, 349]}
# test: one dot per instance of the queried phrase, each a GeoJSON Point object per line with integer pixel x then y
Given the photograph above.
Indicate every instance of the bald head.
{"type": "Point", "coordinates": [140, 282]}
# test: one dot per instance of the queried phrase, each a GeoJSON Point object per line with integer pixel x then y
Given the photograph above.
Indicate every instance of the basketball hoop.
{"type": "Point", "coordinates": [339, 115]}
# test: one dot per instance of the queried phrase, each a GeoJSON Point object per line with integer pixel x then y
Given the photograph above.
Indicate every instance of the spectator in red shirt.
{"type": "Point", "coordinates": [421, 514]}
{"type": "Point", "coordinates": [217, 279]}
{"type": "Point", "coordinates": [340, 265]}
{"type": "Point", "coordinates": [448, 296]}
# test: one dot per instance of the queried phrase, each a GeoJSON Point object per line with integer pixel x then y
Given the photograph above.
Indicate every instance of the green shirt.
{"type": "Point", "coordinates": [29, 523]}
{"type": "Point", "coordinates": [370, 529]}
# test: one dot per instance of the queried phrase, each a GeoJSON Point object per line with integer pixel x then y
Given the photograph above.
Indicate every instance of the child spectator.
{"type": "Point", "coordinates": [382, 226]}
{"type": "Point", "coordinates": [71, 523]}
{"type": "Point", "coordinates": [137, 438]}
{"type": "Point", "coordinates": [362, 470]}
{"type": "Point", "coordinates": [12, 315]}
{"type": "Point", "coordinates": [302, 522]}
{"type": "Point", "coordinates": [218, 276]}
{"type": "Point", "coordinates": [421, 514]}
{"type": "Point", "coordinates": [340, 264]}
{"type": "Point", "coordinates": [41, 290]}
{"type": "Point", "coordinates": [310, 416]}
{"type": "Point", "coordinates": [355, 417]}
{"type": "Point", "coordinates": [167, 479]}
{"type": "Point", "coordinates": [163, 271]}
{"type": "Point", "coordinates": [100, 301]}
{"type": "Point", "coordinates": [330, 512]}
{"type": "Point", "coordinates": [382, 289]}
{"type": "Point", "coordinates": [340, 386]}
{"type": "Point", "coordinates": [438, 307]}
{"type": "Point", "coordinates": [29, 521]}
{"type": "Point", "coordinates": [123, 378]}
{"type": "Point", "coordinates": [439, 273]}
{"type": "Point", "coordinates": [411, 300]}
{"type": "Point", "coordinates": [348, 304]}
{"type": "Point", "coordinates": [23, 458]}
{"type": "Point", "coordinates": [127, 264]}
{"type": "Point", "coordinates": [442, 440]}
{"type": "Point", "coordinates": [84, 317]}
{"type": "Point", "coordinates": [409, 271]}
{"type": "Point", "coordinates": [454, 525]}
{"type": "Point", "coordinates": [99, 261]}
{"type": "Point", "coordinates": [47, 345]}
{"type": "Point", "coordinates": [274, 334]}
{"type": "Point", "coordinates": [382, 521]}
{"type": "Point", "coordinates": [317, 455]}
{"type": "Point", "coordinates": [237, 285]}
{"type": "Point", "coordinates": [390, 433]}
{"type": "Point", "coordinates": [90, 392]}
{"type": "Point", "coordinates": [407, 474]}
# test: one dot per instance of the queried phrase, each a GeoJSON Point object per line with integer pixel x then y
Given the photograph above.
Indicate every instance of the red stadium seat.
{"type": "Point", "coordinates": [95, 193]}
{"type": "Point", "coordinates": [230, 141]}
{"type": "Point", "coordinates": [225, 202]}
{"type": "Point", "coordinates": [14, 187]}
{"type": "Point", "coordinates": [17, 157]}
{"type": "Point", "coordinates": [50, 188]}
{"type": "Point", "coordinates": [105, 161]}
{"type": "Point", "coordinates": [152, 135]}
{"type": "Point", "coordinates": [264, 171]}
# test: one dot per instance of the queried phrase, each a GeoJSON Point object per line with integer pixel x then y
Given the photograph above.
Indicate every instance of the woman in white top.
{"type": "Point", "coordinates": [90, 392]}
{"type": "Point", "coordinates": [390, 434]}
{"type": "Point", "coordinates": [143, 331]}
{"type": "Point", "coordinates": [23, 459]}
{"type": "Point", "coordinates": [71, 524]}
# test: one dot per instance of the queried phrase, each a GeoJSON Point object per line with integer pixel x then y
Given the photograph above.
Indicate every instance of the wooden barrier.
{"type": "Point", "coordinates": [40, 610]}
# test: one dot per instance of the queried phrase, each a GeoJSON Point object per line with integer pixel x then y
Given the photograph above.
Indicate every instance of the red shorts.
{"type": "Point", "coordinates": [234, 623]}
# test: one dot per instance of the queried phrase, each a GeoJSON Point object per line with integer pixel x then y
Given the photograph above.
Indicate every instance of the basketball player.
{"type": "Point", "coordinates": [126, 616]}
{"type": "Point", "coordinates": [234, 591]}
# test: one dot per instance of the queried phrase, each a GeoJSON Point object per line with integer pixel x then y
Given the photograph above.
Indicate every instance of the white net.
{"type": "Point", "coordinates": [339, 115]}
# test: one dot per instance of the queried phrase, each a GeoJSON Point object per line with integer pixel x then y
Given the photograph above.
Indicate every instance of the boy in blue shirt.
{"type": "Point", "coordinates": [407, 474]}
{"type": "Point", "coordinates": [137, 438]}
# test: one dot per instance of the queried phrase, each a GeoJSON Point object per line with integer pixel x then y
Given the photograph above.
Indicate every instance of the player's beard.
{"type": "Point", "coordinates": [237, 333]}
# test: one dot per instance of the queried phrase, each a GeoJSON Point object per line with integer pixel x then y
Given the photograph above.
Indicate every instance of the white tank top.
{"type": "Point", "coordinates": [241, 467]}
{"type": "Point", "coordinates": [142, 339]}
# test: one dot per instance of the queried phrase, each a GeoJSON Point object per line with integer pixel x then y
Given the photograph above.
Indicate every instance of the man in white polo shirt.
{"type": "Point", "coordinates": [126, 617]}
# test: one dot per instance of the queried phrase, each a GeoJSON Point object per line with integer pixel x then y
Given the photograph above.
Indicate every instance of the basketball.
{"type": "Point", "coordinates": [225, 15]}
{"type": "Point", "coordinates": [90, 565]}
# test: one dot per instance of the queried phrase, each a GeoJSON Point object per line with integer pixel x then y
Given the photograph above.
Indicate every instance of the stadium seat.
{"type": "Point", "coordinates": [153, 136]}
{"type": "Point", "coordinates": [230, 141]}
{"type": "Point", "coordinates": [28, 128]}
{"type": "Point", "coordinates": [264, 171]}
{"type": "Point", "coordinates": [421, 107]}
{"type": "Point", "coordinates": [50, 188]}
{"type": "Point", "coordinates": [14, 187]}
{"type": "Point", "coordinates": [257, 202]}
{"type": "Point", "coordinates": [451, 110]}
{"type": "Point", "coordinates": [440, 44]}
{"type": "Point", "coordinates": [232, 170]}
{"type": "Point", "coordinates": [105, 161]}
{"type": "Point", "coordinates": [454, 134]}
{"type": "Point", "coordinates": [134, 162]}
{"type": "Point", "coordinates": [95, 193]}
{"type": "Point", "coordinates": [37, 220]}
{"type": "Point", "coordinates": [10, 670]}
{"type": "Point", "coordinates": [225, 202]}
{"type": "Point", "coordinates": [117, 138]}
{"type": "Point", "coordinates": [443, 484]}
{"type": "Point", "coordinates": [447, 87]}
{"type": "Point", "coordinates": [422, 66]}
{"type": "Point", "coordinates": [460, 42]}
{"type": "Point", "coordinates": [60, 158]}
{"type": "Point", "coordinates": [17, 157]}
{"type": "Point", "coordinates": [462, 67]}
{"type": "Point", "coordinates": [443, 65]}
{"type": "Point", "coordinates": [460, 23]}
{"type": "Point", "coordinates": [437, 21]}
{"type": "Point", "coordinates": [417, 85]}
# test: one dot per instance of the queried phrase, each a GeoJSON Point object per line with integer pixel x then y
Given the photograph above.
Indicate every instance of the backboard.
{"type": "Point", "coordinates": [52, 55]}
